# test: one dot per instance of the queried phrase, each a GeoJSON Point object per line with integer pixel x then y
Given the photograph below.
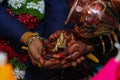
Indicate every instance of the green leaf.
{"type": "Point", "coordinates": [34, 12]}
{"type": "Point", "coordinates": [35, 1]}
{"type": "Point", "coordinates": [25, 10]}
{"type": "Point", "coordinates": [16, 63]}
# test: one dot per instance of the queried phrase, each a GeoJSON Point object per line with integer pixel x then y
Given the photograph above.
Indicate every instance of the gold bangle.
{"type": "Point", "coordinates": [31, 39]}
{"type": "Point", "coordinates": [111, 42]}
{"type": "Point", "coordinates": [118, 27]}
{"type": "Point", "coordinates": [103, 44]}
{"type": "Point", "coordinates": [115, 36]}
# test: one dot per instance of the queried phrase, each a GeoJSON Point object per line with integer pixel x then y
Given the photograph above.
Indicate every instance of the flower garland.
{"type": "Point", "coordinates": [33, 7]}
{"type": "Point", "coordinates": [12, 69]}
{"type": "Point", "coordinates": [19, 68]}
{"type": "Point", "coordinates": [28, 12]}
{"type": "Point", "coordinates": [17, 60]}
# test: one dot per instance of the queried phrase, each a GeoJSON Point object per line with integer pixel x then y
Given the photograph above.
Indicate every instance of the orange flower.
{"type": "Point", "coordinates": [6, 72]}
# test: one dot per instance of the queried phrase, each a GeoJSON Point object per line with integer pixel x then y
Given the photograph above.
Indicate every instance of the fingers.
{"type": "Point", "coordinates": [37, 58]}
{"type": "Point", "coordinates": [34, 62]}
{"type": "Point", "coordinates": [74, 63]}
{"type": "Point", "coordinates": [46, 64]}
{"type": "Point", "coordinates": [64, 56]}
{"type": "Point", "coordinates": [54, 63]}
{"type": "Point", "coordinates": [35, 54]}
{"type": "Point", "coordinates": [49, 63]}
{"type": "Point", "coordinates": [54, 35]}
{"type": "Point", "coordinates": [77, 61]}
{"type": "Point", "coordinates": [73, 56]}
{"type": "Point", "coordinates": [34, 50]}
{"type": "Point", "coordinates": [71, 60]}
{"type": "Point", "coordinates": [59, 65]}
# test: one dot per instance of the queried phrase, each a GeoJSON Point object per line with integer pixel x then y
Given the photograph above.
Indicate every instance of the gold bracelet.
{"type": "Point", "coordinates": [111, 42]}
{"type": "Point", "coordinates": [31, 39]}
{"type": "Point", "coordinates": [115, 36]}
{"type": "Point", "coordinates": [103, 44]}
{"type": "Point", "coordinates": [118, 27]}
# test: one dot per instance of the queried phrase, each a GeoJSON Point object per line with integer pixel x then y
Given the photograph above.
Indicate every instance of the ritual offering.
{"type": "Point", "coordinates": [96, 29]}
{"type": "Point", "coordinates": [64, 43]}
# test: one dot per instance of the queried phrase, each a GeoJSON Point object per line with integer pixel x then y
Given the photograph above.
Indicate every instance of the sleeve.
{"type": "Point", "coordinates": [56, 12]}
{"type": "Point", "coordinates": [10, 28]}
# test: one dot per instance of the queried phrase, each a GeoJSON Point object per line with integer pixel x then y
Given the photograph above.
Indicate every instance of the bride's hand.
{"type": "Point", "coordinates": [34, 51]}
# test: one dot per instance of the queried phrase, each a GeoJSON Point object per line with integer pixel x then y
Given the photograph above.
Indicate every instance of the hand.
{"type": "Point", "coordinates": [78, 49]}
{"type": "Point", "coordinates": [75, 48]}
{"type": "Point", "coordinates": [78, 54]}
{"type": "Point", "coordinates": [34, 50]}
{"type": "Point", "coordinates": [74, 63]}
{"type": "Point", "coordinates": [65, 64]}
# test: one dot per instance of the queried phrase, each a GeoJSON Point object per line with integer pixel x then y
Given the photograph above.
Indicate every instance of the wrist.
{"type": "Point", "coordinates": [32, 38]}
{"type": "Point", "coordinates": [27, 36]}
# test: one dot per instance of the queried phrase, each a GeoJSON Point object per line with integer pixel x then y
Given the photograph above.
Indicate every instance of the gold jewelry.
{"type": "Point", "coordinates": [118, 27]}
{"type": "Point", "coordinates": [111, 42]}
{"type": "Point", "coordinates": [31, 39]}
{"type": "Point", "coordinates": [115, 36]}
{"type": "Point", "coordinates": [103, 44]}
